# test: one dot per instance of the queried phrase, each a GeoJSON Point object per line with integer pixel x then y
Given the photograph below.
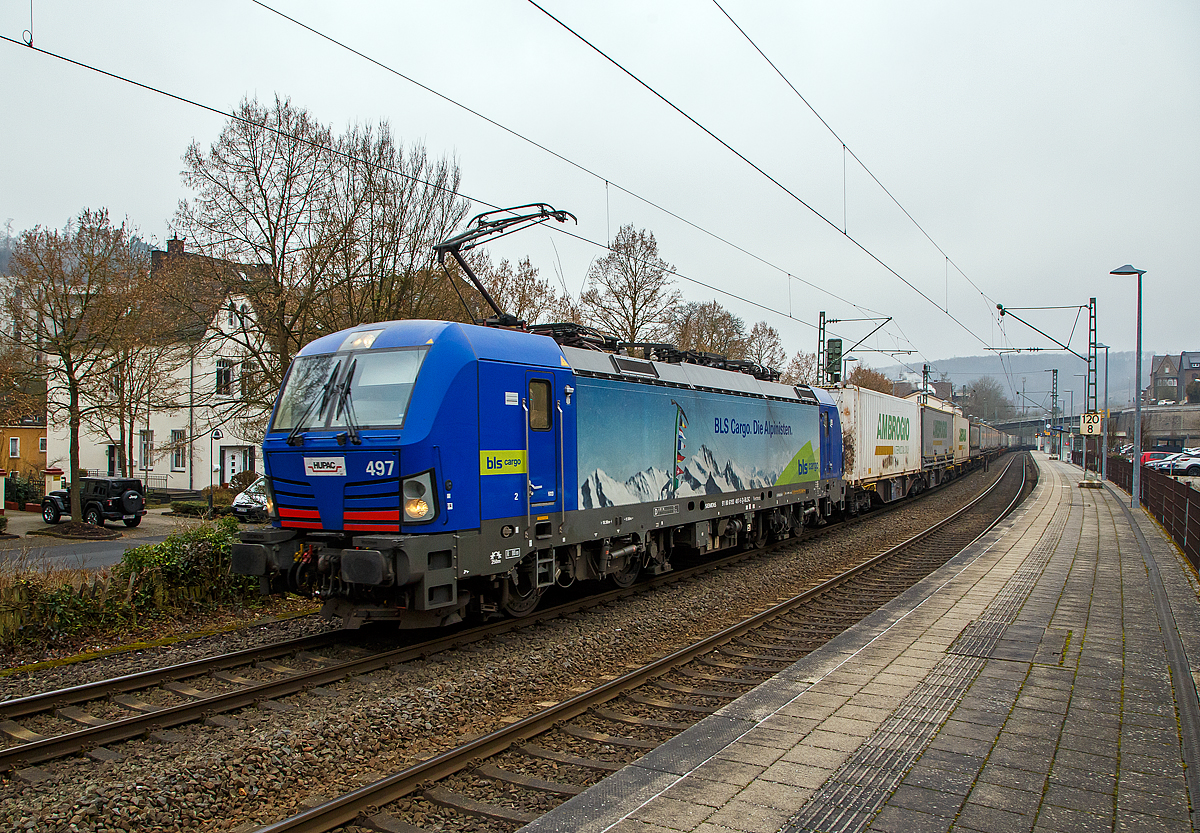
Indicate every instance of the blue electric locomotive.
{"type": "Point", "coordinates": [428, 471]}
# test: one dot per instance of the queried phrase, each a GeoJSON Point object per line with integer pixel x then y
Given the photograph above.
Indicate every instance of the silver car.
{"type": "Point", "coordinates": [251, 504]}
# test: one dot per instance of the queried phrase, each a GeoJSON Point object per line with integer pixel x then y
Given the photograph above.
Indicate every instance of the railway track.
{"type": "Point", "coordinates": [511, 776]}
{"type": "Point", "coordinates": [90, 718]}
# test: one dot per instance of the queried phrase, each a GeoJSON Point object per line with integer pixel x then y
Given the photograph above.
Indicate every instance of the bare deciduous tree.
{"type": "Point", "coordinates": [870, 379]}
{"type": "Point", "coordinates": [708, 328]}
{"type": "Point", "coordinates": [519, 291]}
{"type": "Point", "coordinates": [801, 370]}
{"type": "Point", "coordinates": [316, 232]}
{"type": "Point", "coordinates": [630, 291]}
{"type": "Point", "coordinates": [984, 399]}
{"type": "Point", "coordinates": [763, 346]}
{"type": "Point", "coordinates": [69, 295]}
{"type": "Point", "coordinates": [393, 206]}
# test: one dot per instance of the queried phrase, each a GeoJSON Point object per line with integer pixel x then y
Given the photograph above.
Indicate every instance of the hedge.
{"type": "Point", "coordinates": [187, 572]}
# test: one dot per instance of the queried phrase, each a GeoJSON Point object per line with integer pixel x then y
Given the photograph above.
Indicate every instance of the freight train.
{"type": "Point", "coordinates": [427, 472]}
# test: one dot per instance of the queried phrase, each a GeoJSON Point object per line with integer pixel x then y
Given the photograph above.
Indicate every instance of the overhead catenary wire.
{"type": "Point", "coordinates": [846, 149]}
{"type": "Point", "coordinates": [756, 167]}
{"type": "Point", "coordinates": [229, 115]}
{"type": "Point", "coordinates": [578, 166]}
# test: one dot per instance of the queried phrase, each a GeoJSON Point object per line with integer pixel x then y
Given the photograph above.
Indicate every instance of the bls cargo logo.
{"type": "Point", "coordinates": [325, 466]}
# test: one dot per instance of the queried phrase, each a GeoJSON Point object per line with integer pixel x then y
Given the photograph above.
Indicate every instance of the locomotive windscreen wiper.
{"type": "Point", "coordinates": [344, 402]}
{"type": "Point", "coordinates": [299, 427]}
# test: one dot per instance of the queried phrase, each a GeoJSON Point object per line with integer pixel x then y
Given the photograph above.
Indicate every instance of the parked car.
{"type": "Point", "coordinates": [1188, 464]}
{"type": "Point", "coordinates": [251, 505]}
{"type": "Point", "coordinates": [103, 499]}
{"type": "Point", "coordinates": [1147, 456]}
{"type": "Point", "coordinates": [1163, 463]}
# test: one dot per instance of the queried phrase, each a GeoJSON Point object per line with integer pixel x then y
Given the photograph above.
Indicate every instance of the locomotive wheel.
{"type": "Point", "coordinates": [628, 574]}
{"type": "Point", "coordinates": [519, 602]}
{"type": "Point", "coordinates": [757, 538]}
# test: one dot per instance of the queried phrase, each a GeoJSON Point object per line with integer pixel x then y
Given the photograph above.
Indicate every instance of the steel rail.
{"type": "Point", "coordinates": [45, 701]}
{"type": "Point", "coordinates": [346, 808]}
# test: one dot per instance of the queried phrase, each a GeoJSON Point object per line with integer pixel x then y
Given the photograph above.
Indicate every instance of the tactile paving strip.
{"type": "Point", "coordinates": [854, 794]}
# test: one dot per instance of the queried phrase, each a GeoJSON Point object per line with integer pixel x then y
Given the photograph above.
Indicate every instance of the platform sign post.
{"type": "Point", "coordinates": [1090, 426]}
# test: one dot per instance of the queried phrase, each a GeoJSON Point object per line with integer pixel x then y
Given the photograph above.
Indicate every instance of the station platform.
{"type": "Point", "coordinates": [1039, 681]}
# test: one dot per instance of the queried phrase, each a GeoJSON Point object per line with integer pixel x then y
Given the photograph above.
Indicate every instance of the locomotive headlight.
{"type": "Point", "coordinates": [419, 505]}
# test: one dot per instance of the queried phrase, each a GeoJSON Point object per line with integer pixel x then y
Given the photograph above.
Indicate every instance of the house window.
{"type": "Point", "coordinates": [42, 445]}
{"type": "Point", "coordinates": [224, 377]}
{"type": "Point", "coordinates": [178, 450]}
{"type": "Point", "coordinates": [244, 383]}
{"type": "Point", "coordinates": [14, 446]}
{"type": "Point", "coordinates": [146, 449]}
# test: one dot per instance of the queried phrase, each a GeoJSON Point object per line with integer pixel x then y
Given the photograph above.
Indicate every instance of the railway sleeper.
{"type": "Point", "coordinates": [713, 678]}
{"type": "Point", "coordinates": [697, 692]}
{"type": "Point", "coordinates": [504, 776]}
{"type": "Point", "coordinates": [607, 739]}
{"type": "Point", "coordinates": [742, 666]}
{"type": "Point", "coordinates": [460, 803]}
{"type": "Point", "coordinates": [389, 824]}
{"type": "Point", "coordinates": [635, 720]}
{"type": "Point", "coordinates": [670, 704]}
{"type": "Point", "coordinates": [535, 751]}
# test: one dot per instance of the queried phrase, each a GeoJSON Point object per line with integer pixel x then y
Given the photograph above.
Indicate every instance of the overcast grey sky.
{"type": "Point", "coordinates": [1039, 144]}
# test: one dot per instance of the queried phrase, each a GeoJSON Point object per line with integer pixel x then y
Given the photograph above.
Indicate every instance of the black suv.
{"type": "Point", "coordinates": [103, 499]}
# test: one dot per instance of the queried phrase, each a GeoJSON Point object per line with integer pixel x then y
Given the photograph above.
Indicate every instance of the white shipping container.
{"type": "Point", "coordinates": [937, 441]}
{"type": "Point", "coordinates": [962, 439]}
{"type": "Point", "coordinates": [885, 431]}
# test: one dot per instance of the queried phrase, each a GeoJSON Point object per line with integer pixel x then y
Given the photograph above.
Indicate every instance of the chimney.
{"type": "Point", "coordinates": [175, 246]}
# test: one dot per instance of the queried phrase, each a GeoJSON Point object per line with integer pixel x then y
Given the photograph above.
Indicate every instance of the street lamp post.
{"type": "Point", "coordinates": [215, 434]}
{"type": "Point", "coordinates": [1104, 421]}
{"type": "Point", "coordinates": [1136, 497]}
{"type": "Point", "coordinates": [846, 367]}
{"type": "Point", "coordinates": [1071, 424]}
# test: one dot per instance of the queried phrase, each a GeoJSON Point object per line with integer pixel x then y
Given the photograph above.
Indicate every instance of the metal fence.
{"type": "Point", "coordinates": [1176, 505]}
{"type": "Point", "coordinates": [152, 482]}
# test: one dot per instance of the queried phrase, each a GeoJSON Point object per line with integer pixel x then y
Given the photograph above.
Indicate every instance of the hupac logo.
{"type": "Point", "coordinates": [325, 466]}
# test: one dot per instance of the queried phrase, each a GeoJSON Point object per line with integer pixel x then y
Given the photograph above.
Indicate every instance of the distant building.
{"type": "Point", "coordinates": [943, 390]}
{"type": "Point", "coordinates": [23, 447]}
{"type": "Point", "coordinates": [1170, 375]}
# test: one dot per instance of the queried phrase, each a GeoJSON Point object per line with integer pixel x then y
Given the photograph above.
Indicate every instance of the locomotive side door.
{"type": "Point", "coordinates": [543, 432]}
{"type": "Point", "coordinates": [828, 429]}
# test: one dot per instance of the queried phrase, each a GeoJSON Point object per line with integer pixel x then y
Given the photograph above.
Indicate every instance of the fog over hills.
{"type": "Point", "coordinates": [1029, 371]}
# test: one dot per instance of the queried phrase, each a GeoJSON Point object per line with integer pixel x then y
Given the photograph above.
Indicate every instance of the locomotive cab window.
{"type": "Point", "coordinates": [825, 423]}
{"type": "Point", "coordinates": [539, 405]}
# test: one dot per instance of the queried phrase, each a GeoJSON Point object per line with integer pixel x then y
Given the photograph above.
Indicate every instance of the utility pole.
{"type": "Point", "coordinates": [1055, 427]}
{"type": "Point", "coordinates": [821, 357]}
{"type": "Point", "coordinates": [1090, 405]}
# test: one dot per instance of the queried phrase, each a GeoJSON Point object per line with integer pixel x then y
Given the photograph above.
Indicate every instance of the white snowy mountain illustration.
{"type": "Point", "coordinates": [702, 474]}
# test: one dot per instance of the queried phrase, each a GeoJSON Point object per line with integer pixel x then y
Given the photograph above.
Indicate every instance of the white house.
{"type": "Point", "coordinates": [203, 432]}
